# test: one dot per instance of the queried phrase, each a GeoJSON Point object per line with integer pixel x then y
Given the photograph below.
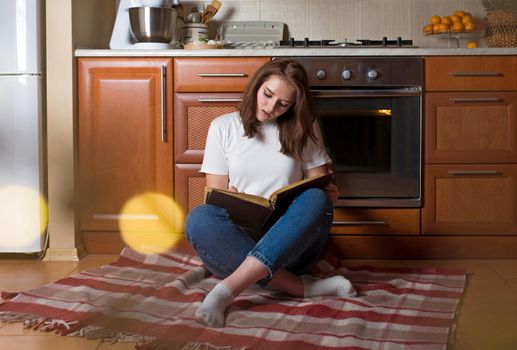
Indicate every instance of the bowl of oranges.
{"type": "Point", "coordinates": [459, 25]}
{"type": "Point", "coordinates": [458, 22]}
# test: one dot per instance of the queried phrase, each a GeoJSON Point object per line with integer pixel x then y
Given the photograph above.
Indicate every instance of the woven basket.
{"type": "Point", "coordinates": [501, 28]}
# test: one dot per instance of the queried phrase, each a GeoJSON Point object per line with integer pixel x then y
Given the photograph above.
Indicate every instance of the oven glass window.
{"type": "Point", "coordinates": [374, 143]}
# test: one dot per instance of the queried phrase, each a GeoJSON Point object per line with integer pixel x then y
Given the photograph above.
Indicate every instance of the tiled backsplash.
{"type": "Point", "coordinates": [348, 19]}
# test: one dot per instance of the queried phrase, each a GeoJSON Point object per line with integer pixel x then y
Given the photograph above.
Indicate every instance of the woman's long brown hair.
{"type": "Point", "coordinates": [295, 125]}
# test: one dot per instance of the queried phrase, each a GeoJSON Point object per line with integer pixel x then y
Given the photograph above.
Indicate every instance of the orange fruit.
{"type": "Point", "coordinates": [428, 28]}
{"type": "Point", "coordinates": [460, 13]}
{"type": "Point", "coordinates": [469, 26]}
{"type": "Point", "coordinates": [436, 28]}
{"type": "Point", "coordinates": [446, 20]}
{"type": "Point", "coordinates": [455, 18]}
{"type": "Point", "coordinates": [466, 19]}
{"type": "Point", "coordinates": [472, 44]}
{"type": "Point", "coordinates": [435, 19]}
{"type": "Point", "coordinates": [443, 28]}
{"type": "Point", "coordinates": [457, 27]}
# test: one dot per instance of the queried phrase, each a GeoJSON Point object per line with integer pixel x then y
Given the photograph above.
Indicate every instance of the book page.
{"type": "Point", "coordinates": [314, 179]}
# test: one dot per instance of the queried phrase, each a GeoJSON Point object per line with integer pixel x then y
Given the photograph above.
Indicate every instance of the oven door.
{"type": "Point", "coordinates": [374, 138]}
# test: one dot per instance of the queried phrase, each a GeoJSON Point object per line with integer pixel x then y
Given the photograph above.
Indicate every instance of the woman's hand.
{"type": "Point", "coordinates": [232, 189]}
{"type": "Point", "coordinates": [333, 193]}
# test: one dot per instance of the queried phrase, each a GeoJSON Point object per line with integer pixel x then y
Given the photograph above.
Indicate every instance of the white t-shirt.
{"type": "Point", "coordinates": [255, 165]}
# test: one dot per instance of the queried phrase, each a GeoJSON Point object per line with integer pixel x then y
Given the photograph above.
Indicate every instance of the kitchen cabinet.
{"type": "Point", "coordinates": [221, 74]}
{"type": "Point", "coordinates": [471, 127]}
{"type": "Point", "coordinates": [190, 185]}
{"type": "Point", "coordinates": [470, 146]}
{"type": "Point", "coordinates": [470, 73]}
{"type": "Point", "coordinates": [193, 113]}
{"type": "Point", "coordinates": [470, 199]}
{"type": "Point", "coordinates": [124, 142]}
{"type": "Point", "coordinates": [203, 90]}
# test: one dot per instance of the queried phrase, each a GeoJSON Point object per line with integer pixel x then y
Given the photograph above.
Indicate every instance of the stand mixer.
{"type": "Point", "coordinates": [122, 38]}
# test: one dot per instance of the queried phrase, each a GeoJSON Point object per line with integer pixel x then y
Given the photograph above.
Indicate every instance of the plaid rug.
{"type": "Point", "coordinates": [151, 299]}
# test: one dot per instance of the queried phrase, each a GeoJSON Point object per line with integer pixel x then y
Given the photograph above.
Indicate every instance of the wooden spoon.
{"type": "Point", "coordinates": [210, 11]}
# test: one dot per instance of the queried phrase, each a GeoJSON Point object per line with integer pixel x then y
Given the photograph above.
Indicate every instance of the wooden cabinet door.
{"type": "Point", "coordinates": [470, 199]}
{"type": "Point", "coordinates": [474, 73]}
{"type": "Point", "coordinates": [189, 186]}
{"type": "Point", "coordinates": [193, 113]}
{"type": "Point", "coordinates": [125, 138]}
{"type": "Point", "coordinates": [471, 127]}
{"type": "Point", "coordinates": [221, 74]}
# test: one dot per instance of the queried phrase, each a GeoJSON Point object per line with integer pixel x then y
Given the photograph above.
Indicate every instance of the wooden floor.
{"type": "Point", "coordinates": [487, 317]}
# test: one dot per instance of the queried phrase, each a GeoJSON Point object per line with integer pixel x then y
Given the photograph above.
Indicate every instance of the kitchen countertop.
{"type": "Point", "coordinates": [298, 52]}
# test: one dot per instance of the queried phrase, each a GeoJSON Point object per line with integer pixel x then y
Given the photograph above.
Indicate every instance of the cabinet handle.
{"type": "Point", "coordinates": [474, 172]}
{"type": "Point", "coordinates": [163, 73]}
{"type": "Point", "coordinates": [221, 75]}
{"type": "Point", "coordinates": [219, 99]}
{"type": "Point", "coordinates": [475, 74]}
{"type": "Point", "coordinates": [359, 223]}
{"type": "Point", "coordinates": [476, 99]}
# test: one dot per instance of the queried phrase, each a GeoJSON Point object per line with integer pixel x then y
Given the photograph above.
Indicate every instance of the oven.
{"type": "Point", "coordinates": [369, 110]}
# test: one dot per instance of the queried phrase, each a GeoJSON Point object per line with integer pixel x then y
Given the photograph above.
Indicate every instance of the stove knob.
{"type": "Point", "coordinates": [372, 74]}
{"type": "Point", "coordinates": [346, 74]}
{"type": "Point", "coordinates": [321, 74]}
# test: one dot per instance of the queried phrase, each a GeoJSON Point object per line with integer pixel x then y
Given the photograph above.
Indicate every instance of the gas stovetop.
{"type": "Point", "coordinates": [362, 43]}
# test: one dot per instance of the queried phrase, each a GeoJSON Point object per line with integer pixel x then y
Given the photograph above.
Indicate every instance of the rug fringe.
{"type": "Point", "coordinates": [73, 329]}
{"type": "Point", "coordinates": [40, 323]}
{"type": "Point", "coordinates": [94, 332]}
{"type": "Point", "coordinates": [11, 317]}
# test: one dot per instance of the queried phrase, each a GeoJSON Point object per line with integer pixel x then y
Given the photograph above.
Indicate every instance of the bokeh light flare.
{"type": "Point", "coordinates": [151, 223]}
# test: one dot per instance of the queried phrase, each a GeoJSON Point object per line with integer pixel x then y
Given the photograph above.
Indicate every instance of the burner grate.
{"type": "Point", "coordinates": [362, 43]}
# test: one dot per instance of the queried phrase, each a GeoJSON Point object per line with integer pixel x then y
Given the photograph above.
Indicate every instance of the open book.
{"type": "Point", "coordinates": [257, 213]}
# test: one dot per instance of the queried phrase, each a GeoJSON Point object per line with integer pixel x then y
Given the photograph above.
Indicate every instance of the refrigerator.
{"type": "Point", "coordinates": [23, 208]}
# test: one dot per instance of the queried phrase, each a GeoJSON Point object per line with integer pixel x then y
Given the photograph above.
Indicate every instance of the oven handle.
{"type": "Point", "coordinates": [410, 91]}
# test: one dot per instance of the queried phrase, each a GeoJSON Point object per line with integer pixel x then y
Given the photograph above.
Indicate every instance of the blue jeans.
{"type": "Point", "coordinates": [294, 242]}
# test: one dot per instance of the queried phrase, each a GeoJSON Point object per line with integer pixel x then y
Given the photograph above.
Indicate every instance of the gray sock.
{"type": "Point", "coordinates": [211, 311]}
{"type": "Point", "coordinates": [333, 286]}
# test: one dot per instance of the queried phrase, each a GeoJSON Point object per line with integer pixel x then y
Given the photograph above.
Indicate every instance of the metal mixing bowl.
{"type": "Point", "coordinates": [153, 24]}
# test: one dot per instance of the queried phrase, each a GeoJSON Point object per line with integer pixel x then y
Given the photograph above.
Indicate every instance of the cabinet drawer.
{"type": "Point", "coordinates": [193, 113]}
{"type": "Point", "coordinates": [376, 221]}
{"type": "Point", "coordinates": [189, 186]}
{"type": "Point", "coordinates": [470, 199]}
{"type": "Point", "coordinates": [215, 74]}
{"type": "Point", "coordinates": [478, 73]}
{"type": "Point", "coordinates": [471, 127]}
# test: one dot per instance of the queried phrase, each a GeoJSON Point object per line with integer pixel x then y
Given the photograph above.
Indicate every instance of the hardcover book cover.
{"type": "Point", "coordinates": [257, 213]}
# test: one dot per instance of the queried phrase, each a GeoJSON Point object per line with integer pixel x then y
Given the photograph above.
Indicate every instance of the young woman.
{"type": "Point", "coordinates": [270, 142]}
